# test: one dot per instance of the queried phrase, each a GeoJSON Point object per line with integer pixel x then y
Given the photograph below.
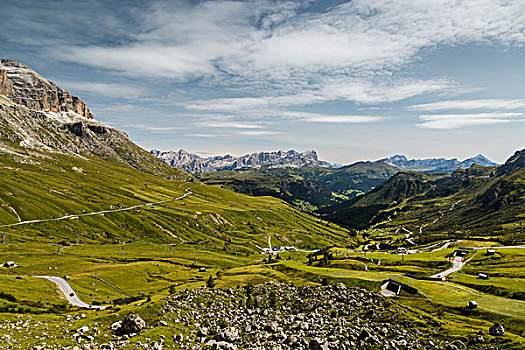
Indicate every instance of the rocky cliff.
{"type": "Point", "coordinates": [37, 115]}
{"type": "Point", "coordinates": [25, 87]}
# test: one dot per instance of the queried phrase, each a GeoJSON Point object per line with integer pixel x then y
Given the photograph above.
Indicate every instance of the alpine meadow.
{"type": "Point", "coordinates": [213, 174]}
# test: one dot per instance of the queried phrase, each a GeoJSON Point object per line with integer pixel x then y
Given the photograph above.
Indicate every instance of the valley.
{"type": "Point", "coordinates": [106, 246]}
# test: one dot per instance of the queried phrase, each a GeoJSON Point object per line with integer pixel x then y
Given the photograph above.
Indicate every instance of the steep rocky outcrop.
{"type": "Point", "coordinates": [193, 163]}
{"type": "Point", "coordinates": [37, 115]}
{"type": "Point", "coordinates": [513, 163]}
{"type": "Point", "coordinates": [25, 87]}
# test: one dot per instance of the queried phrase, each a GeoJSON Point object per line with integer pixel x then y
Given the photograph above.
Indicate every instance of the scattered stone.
{"type": "Point", "coordinates": [132, 323]}
{"type": "Point", "coordinates": [497, 330]}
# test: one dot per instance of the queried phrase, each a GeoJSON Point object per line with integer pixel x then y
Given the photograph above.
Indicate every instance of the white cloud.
{"type": "Point", "coordinates": [202, 135]}
{"type": "Point", "coordinates": [257, 44]}
{"type": "Point", "coordinates": [453, 121]}
{"type": "Point", "coordinates": [470, 104]}
{"type": "Point", "coordinates": [330, 118]}
{"type": "Point", "coordinates": [228, 124]}
{"type": "Point", "coordinates": [153, 128]}
{"type": "Point", "coordinates": [358, 90]}
{"type": "Point", "coordinates": [106, 89]}
{"type": "Point", "coordinates": [259, 133]}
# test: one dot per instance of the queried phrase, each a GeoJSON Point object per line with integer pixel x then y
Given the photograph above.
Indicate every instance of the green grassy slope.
{"type": "Point", "coordinates": [59, 185]}
{"type": "Point", "coordinates": [475, 202]}
{"type": "Point", "coordinates": [317, 186]}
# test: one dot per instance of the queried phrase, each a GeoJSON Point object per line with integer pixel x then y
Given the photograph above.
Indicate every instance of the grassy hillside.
{"type": "Point", "coordinates": [55, 186]}
{"type": "Point", "coordinates": [308, 187]}
{"type": "Point", "coordinates": [475, 202]}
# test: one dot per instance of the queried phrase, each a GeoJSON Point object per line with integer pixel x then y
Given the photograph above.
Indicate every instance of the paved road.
{"type": "Point", "coordinates": [500, 247]}
{"type": "Point", "coordinates": [76, 216]}
{"type": "Point", "coordinates": [445, 246]}
{"type": "Point", "coordinates": [69, 293]}
{"type": "Point", "coordinates": [457, 265]}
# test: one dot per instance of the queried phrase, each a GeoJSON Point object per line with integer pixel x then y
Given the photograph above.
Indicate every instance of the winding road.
{"type": "Point", "coordinates": [69, 293]}
{"type": "Point", "coordinates": [76, 216]}
{"type": "Point", "coordinates": [457, 264]}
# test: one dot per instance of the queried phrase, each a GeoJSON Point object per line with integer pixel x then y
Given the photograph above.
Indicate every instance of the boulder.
{"type": "Point", "coordinates": [497, 330]}
{"type": "Point", "coordinates": [315, 344]}
{"type": "Point", "coordinates": [229, 334]}
{"type": "Point", "coordinates": [132, 323]}
{"type": "Point", "coordinates": [455, 345]}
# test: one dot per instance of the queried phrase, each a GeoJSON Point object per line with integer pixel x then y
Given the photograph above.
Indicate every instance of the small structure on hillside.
{"type": "Point", "coordinates": [9, 264]}
{"type": "Point", "coordinates": [391, 287]}
{"type": "Point", "coordinates": [490, 252]}
{"type": "Point", "coordinates": [460, 253]}
{"type": "Point", "coordinates": [472, 304]}
{"type": "Point", "coordinates": [202, 269]}
{"type": "Point", "coordinates": [482, 276]}
{"type": "Point", "coordinates": [401, 250]}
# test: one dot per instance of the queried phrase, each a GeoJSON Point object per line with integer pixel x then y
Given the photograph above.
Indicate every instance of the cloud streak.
{"type": "Point", "coordinates": [454, 121]}
{"type": "Point", "coordinates": [113, 90]}
{"type": "Point", "coordinates": [470, 104]}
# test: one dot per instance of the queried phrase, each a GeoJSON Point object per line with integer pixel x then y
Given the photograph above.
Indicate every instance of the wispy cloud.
{"type": "Point", "coordinates": [113, 90]}
{"type": "Point", "coordinates": [453, 121]}
{"type": "Point", "coordinates": [261, 44]}
{"type": "Point", "coordinates": [330, 118]}
{"type": "Point", "coordinates": [356, 90]}
{"type": "Point", "coordinates": [153, 128]}
{"type": "Point", "coordinates": [260, 133]}
{"type": "Point", "coordinates": [202, 135]}
{"type": "Point", "coordinates": [228, 124]}
{"type": "Point", "coordinates": [470, 104]}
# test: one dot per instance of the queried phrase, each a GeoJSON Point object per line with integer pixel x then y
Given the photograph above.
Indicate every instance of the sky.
{"type": "Point", "coordinates": [354, 80]}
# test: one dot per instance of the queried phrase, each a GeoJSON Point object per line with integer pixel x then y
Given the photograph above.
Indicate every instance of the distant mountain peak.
{"type": "Point", "coordinates": [434, 165]}
{"type": "Point", "coordinates": [194, 163]}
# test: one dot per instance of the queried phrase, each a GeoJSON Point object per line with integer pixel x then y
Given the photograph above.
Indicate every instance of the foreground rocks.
{"type": "Point", "coordinates": [497, 330]}
{"type": "Point", "coordinates": [132, 323]}
{"type": "Point", "coordinates": [269, 316]}
{"type": "Point", "coordinates": [282, 316]}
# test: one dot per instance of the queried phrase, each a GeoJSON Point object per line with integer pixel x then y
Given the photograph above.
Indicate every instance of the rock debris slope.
{"type": "Point", "coordinates": [282, 316]}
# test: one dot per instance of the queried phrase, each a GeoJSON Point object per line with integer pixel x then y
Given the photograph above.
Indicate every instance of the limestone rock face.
{"type": "Point", "coordinates": [37, 115]}
{"type": "Point", "coordinates": [25, 87]}
{"type": "Point", "coordinates": [132, 323]}
{"type": "Point", "coordinates": [193, 163]}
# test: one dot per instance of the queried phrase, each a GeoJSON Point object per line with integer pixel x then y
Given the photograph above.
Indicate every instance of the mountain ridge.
{"type": "Point", "coordinates": [480, 201]}
{"type": "Point", "coordinates": [436, 165]}
{"type": "Point", "coordinates": [36, 115]}
{"type": "Point", "coordinates": [194, 163]}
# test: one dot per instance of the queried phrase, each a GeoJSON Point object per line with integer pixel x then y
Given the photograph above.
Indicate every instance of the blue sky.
{"type": "Point", "coordinates": [354, 80]}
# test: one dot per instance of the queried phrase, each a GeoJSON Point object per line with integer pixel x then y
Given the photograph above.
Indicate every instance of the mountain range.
{"type": "Point", "coordinates": [436, 165]}
{"type": "Point", "coordinates": [474, 202]}
{"type": "Point", "coordinates": [57, 159]}
{"type": "Point", "coordinates": [193, 163]}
